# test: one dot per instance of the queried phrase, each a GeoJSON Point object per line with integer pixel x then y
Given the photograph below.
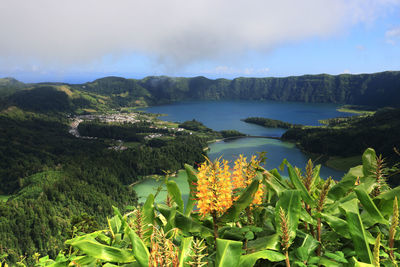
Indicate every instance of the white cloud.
{"type": "Point", "coordinates": [178, 32]}
{"type": "Point", "coordinates": [226, 70]}
{"type": "Point", "coordinates": [393, 35]}
{"type": "Point", "coordinates": [360, 47]}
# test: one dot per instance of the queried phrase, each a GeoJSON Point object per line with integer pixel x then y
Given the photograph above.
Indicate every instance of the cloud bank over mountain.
{"type": "Point", "coordinates": [176, 32]}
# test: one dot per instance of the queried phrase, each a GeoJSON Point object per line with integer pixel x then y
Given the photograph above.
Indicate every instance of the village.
{"type": "Point", "coordinates": [119, 118]}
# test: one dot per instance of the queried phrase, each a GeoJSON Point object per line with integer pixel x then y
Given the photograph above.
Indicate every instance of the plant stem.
{"type": "Point", "coordinates": [308, 209]}
{"type": "Point", "coordinates": [249, 216]}
{"type": "Point", "coordinates": [319, 236]}
{"type": "Point", "coordinates": [287, 258]}
{"type": "Point", "coordinates": [214, 216]}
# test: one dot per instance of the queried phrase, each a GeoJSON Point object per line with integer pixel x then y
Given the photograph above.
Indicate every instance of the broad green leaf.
{"type": "Point", "coordinates": [275, 173]}
{"type": "Point", "coordinates": [90, 236]}
{"type": "Point", "coordinates": [171, 220]}
{"type": "Point", "coordinates": [250, 259]}
{"type": "Point", "coordinates": [85, 260]}
{"type": "Point", "coordinates": [367, 184]}
{"type": "Point", "coordinates": [369, 206]}
{"type": "Point", "coordinates": [316, 176]}
{"type": "Point", "coordinates": [299, 185]}
{"type": "Point", "coordinates": [385, 201]}
{"type": "Point", "coordinates": [327, 262]}
{"type": "Point", "coordinates": [333, 208]}
{"type": "Point", "coordinates": [187, 224]}
{"type": "Point", "coordinates": [185, 251]}
{"type": "Point", "coordinates": [228, 253]}
{"type": "Point", "coordinates": [175, 193]}
{"type": "Point", "coordinates": [138, 247]}
{"type": "Point", "coordinates": [301, 254]}
{"type": "Point", "coordinates": [148, 216]}
{"type": "Point", "coordinates": [310, 244]}
{"type": "Point", "coordinates": [338, 256]}
{"type": "Point", "coordinates": [103, 252]}
{"type": "Point", "coordinates": [361, 264]}
{"type": "Point", "coordinates": [357, 231]}
{"type": "Point", "coordinates": [306, 217]}
{"type": "Point", "coordinates": [192, 180]}
{"type": "Point", "coordinates": [275, 183]}
{"type": "Point", "coordinates": [338, 225]}
{"type": "Point", "coordinates": [369, 162]}
{"type": "Point", "coordinates": [245, 199]}
{"type": "Point", "coordinates": [114, 225]}
{"type": "Point", "coordinates": [265, 242]}
{"type": "Point", "coordinates": [341, 189]}
{"type": "Point", "coordinates": [290, 201]}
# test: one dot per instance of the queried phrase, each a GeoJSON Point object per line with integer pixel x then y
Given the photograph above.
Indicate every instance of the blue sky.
{"type": "Point", "coordinates": [78, 41]}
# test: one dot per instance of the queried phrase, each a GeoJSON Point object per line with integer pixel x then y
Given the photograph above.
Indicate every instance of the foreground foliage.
{"type": "Point", "coordinates": [302, 221]}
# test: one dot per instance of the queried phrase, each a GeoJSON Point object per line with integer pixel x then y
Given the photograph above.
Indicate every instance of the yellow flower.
{"type": "Point", "coordinates": [214, 187]}
{"type": "Point", "coordinates": [238, 177]}
{"type": "Point", "coordinates": [244, 174]}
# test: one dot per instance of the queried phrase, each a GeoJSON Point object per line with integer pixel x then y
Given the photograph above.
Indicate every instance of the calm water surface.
{"type": "Point", "coordinates": [224, 115]}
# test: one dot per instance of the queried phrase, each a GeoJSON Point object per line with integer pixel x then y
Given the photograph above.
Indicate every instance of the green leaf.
{"type": "Point", "coordinates": [249, 235]}
{"type": "Point", "coordinates": [192, 180]}
{"type": "Point", "coordinates": [138, 247]}
{"type": "Point", "coordinates": [103, 252]}
{"type": "Point", "coordinates": [290, 201]}
{"type": "Point", "coordinates": [175, 193]}
{"type": "Point", "coordinates": [298, 184]}
{"type": "Point", "coordinates": [369, 161]}
{"type": "Point", "coordinates": [185, 251]}
{"type": "Point", "coordinates": [338, 225]}
{"type": "Point", "coordinates": [338, 256]}
{"type": "Point", "coordinates": [250, 259]}
{"type": "Point", "coordinates": [369, 206]}
{"type": "Point", "coordinates": [361, 264]}
{"type": "Point", "coordinates": [265, 242]}
{"type": "Point", "coordinates": [385, 201]}
{"type": "Point", "coordinates": [187, 224]}
{"type": "Point", "coordinates": [148, 216]}
{"type": "Point", "coordinates": [275, 173]}
{"type": "Point", "coordinates": [245, 199]}
{"type": "Point", "coordinates": [228, 253]}
{"type": "Point", "coordinates": [357, 231]}
{"type": "Point", "coordinates": [316, 178]}
{"type": "Point", "coordinates": [327, 262]}
{"type": "Point", "coordinates": [114, 224]}
{"type": "Point", "coordinates": [85, 260]}
{"type": "Point", "coordinates": [275, 183]}
{"type": "Point", "coordinates": [309, 244]}
{"type": "Point", "coordinates": [347, 183]}
{"type": "Point", "coordinates": [301, 254]}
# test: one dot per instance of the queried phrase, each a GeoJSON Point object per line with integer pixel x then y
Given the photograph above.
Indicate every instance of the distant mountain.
{"type": "Point", "coordinates": [8, 86]}
{"type": "Point", "coordinates": [377, 89]}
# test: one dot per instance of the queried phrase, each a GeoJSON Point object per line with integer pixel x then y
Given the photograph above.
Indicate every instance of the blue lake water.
{"type": "Point", "coordinates": [224, 115]}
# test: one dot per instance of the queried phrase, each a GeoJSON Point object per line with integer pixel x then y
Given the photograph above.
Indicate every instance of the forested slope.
{"type": "Point", "coordinates": [377, 89]}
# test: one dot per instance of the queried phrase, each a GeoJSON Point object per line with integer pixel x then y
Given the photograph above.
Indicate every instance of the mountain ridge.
{"type": "Point", "coordinates": [376, 89]}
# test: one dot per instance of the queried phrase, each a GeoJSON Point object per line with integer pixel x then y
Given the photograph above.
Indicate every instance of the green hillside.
{"type": "Point", "coordinates": [348, 137]}
{"type": "Point", "coordinates": [377, 90]}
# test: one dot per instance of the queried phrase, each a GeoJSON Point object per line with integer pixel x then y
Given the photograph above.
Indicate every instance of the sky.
{"type": "Point", "coordinates": [81, 40]}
